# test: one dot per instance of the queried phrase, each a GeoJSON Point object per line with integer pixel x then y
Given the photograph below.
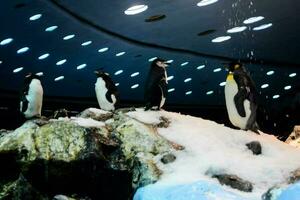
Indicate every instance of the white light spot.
{"type": "Point", "coordinates": [221, 39]}
{"type": "Point", "coordinates": [261, 27]}
{"type": "Point", "coordinates": [68, 37]}
{"type": "Point", "coordinates": [187, 80]}
{"type": "Point", "coordinates": [86, 43]}
{"type": "Point", "coordinates": [209, 92]}
{"type": "Point", "coordinates": [46, 55]}
{"type": "Point", "coordinates": [269, 73]}
{"type": "Point", "coordinates": [264, 85]}
{"type": "Point", "coordinates": [237, 29]}
{"type": "Point", "coordinates": [121, 53]}
{"type": "Point", "coordinates": [59, 78]}
{"type": "Point", "coordinates": [253, 20]}
{"type": "Point", "coordinates": [6, 41]}
{"type": "Point", "coordinates": [169, 61]}
{"type": "Point", "coordinates": [117, 84]}
{"type": "Point", "coordinates": [134, 86]}
{"type": "Point", "coordinates": [170, 78]}
{"type": "Point", "coordinates": [206, 2]}
{"type": "Point", "coordinates": [293, 75]}
{"type": "Point", "coordinates": [136, 9]}
{"type": "Point", "coordinates": [1, 62]}
{"type": "Point", "coordinates": [184, 64]}
{"type": "Point", "coordinates": [118, 72]}
{"type": "Point", "coordinates": [135, 74]}
{"type": "Point", "coordinates": [276, 96]}
{"type": "Point", "coordinates": [18, 69]}
{"type": "Point", "coordinates": [217, 70]}
{"type": "Point", "coordinates": [222, 84]}
{"type": "Point", "coordinates": [61, 62]}
{"type": "Point", "coordinates": [81, 66]}
{"type": "Point", "coordinates": [39, 74]}
{"type": "Point", "coordinates": [51, 28]}
{"type": "Point", "coordinates": [103, 49]}
{"type": "Point", "coordinates": [287, 87]}
{"type": "Point", "coordinates": [22, 50]}
{"type": "Point", "coordinates": [200, 67]}
{"type": "Point", "coordinates": [171, 90]}
{"type": "Point", "coordinates": [152, 59]}
{"type": "Point", "coordinates": [188, 92]}
{"type": "Point", "coordinates": [35, 17]}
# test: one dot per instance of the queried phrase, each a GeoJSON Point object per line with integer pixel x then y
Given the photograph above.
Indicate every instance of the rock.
{"type": "Point", "coordinates": [168, 158]}
{"type": "Point", "coordinates": [60, 113]}
{"type": "Point", "coordinates": [294, 138]}
{"type": "Point", "coordinates": [96, 114]}
{"type": "Point", "coordinates": [272, 194]}
{"type": "Point", "coordinates": [295, 176]}
{"type": "Point", "coordinates": [234, 182]}
{"type": "Point", "coordinates": [62, 197]}
{"type": "Point", "coordinates": [255, 147]}
{"type": "Point", "coordinates": [164, 122]}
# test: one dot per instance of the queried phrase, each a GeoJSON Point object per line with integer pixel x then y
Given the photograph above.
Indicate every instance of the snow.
{"type": "Point", "coordinates": [212, 147]}
{"type": "Point", "coordinates": [98, 111]}
{"type": "Point", "coordinates": [87, 122]}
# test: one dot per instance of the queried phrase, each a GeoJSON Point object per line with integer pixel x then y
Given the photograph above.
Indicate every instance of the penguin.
{"type": "Point", "coordinates": [31, 97]}
{"type": "Point", "coordinates": [241, 98]}
{"type": "Point", "coordinates": [156, 85]}
{"type": "Point", "coordinates": [106, 91]}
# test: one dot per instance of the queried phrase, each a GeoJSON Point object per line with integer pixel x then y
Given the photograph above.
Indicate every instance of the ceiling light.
{"type": "Point", "coordinates": [276, 96]}
{"type": "Point", "coordinates": [81, 66]}
{"type": "Point", "coordinates": [187, 80]}
{"type": "Point", "coordinates": [222, 84]}
{"type": "Point", "coordinates": [51, 28]}
{"type": "Point", "coordinates": [264, 86]}
{"type": "Point", "coordinates": [134, 86]}
{"type": "Point", "coordinates": [200, 67]}
{"type": "Point", "coordinates": [206, 2]}
{"type": "Point", "coordinates": [35, 17]}
{"type": "Point", "coordinates": [1, 61]}
{"type": "Point", "coordinates": [68, 37]}
{"type": "Point", "coordinates": [61, 62]}
{"type": "Point", "coordinates": [22, 50]}
{"type": "Point", "coordinates": [59, 78]}
{"type": "Point", "coordinates": [136, 9]}
{"type": "Point", "coordinates": [188, 92]}
{"type": "Point", "coordinates": [170, 78]}
{"type": "Point", "coordinates": [287, 87]}
{"type": "Point", "coordinates": [152, 59]}
{"type": "Point", "coordinates": [253, 20]}
{"type": "Point", "coordinates": [18, 69]}
{"type": "Point", "coordinates": [221, 39]}
{"type": "Point", "coordinates": [169, 61]}
{"type": "Point", "coordinates": [171, 90]}
{"type": "Point", "coordinates": [184, 64]}
{"type": "Point", "coordinates": [121, 53]}
{"type": "Point", "coordinates": [269, 73]}
{"type": "Point", "coordinates": [292, 74]}
{"type": "Point", "coordinates": [117, 84]}
{"type": "Point", "coordinates": [237, 29]}
{"type": "Point", "coordinates": [261, 27]}
{"type": "Point", "coordinates": [217, 70]}
{"type": "Point", "coordinates": [103, 49]}
{"type": "Point", "coordinates": [86, 43]}
{"type": "Point", "coordinates": [209, 92]}
{"type": "Point", "coordinates": [6, 41]}
{"type": "Point", "coordinates": [43, 56]}
{"type": "Point", "coordinates": [118, 72]}
{"type": "Point", "coordinates": [135, 74]}
{"type": "Point", "coordinates": [39, 74]}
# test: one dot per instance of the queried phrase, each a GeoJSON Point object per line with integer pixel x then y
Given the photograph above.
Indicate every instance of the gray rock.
{"type": "Point", "coordinates": [96, 114]}
{"type": "Point", "coordinates": [255, 147]}
{"type": "Point", "coordinates": [234, 182]}
{"type": "Point", "coordinates": [168, 158]}
{"type": "Point", "coordinates": [295, 176]}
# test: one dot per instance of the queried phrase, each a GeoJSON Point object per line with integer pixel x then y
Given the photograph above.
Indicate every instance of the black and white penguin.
{"type": "Point", "coordinates": [31, 98]}
{"type": "Point", "coordinates": [240, 96]}
{"type": "Point", "coordinates": [106, 91]}
{"type": "Point", "coordinates": [156, 85]}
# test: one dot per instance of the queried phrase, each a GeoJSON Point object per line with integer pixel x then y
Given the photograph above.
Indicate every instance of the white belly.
{"type": "Point", "coordinates": [231, 90]}
{"type": "Point", "coordinates": [35, 99]}
{"type": "Point", "coordinates": [101, 90]}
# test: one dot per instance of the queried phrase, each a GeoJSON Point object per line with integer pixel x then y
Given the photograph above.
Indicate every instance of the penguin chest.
{"type": "Point", "coordinates": [35, 99]}
{"type": "Point", "coordinates": [231, 89]}
{"type": "Point", "coordinates": [101, 90]}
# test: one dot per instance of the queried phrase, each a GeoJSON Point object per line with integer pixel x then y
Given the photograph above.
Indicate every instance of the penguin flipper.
{"type": "Point", "coordinates": [108, 96]}
{"type": "Point", "coordinates": [239, 102]}
{"type": "Point", "coordinates": [23, 104]}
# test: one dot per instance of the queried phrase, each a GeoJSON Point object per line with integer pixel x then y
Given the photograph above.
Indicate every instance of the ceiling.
{"type": "Point", "coordinates": [175, 37]}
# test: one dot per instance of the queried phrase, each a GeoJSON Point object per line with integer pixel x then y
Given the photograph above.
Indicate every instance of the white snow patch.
{"type": "Point", "coordinates": [87, 122]}
{"type": "Point", "coordinates": [98, 111]}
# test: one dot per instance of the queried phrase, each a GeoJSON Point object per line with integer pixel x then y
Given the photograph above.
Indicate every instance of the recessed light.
{"type": "Point", "coordinates": [22, 50]}
{"type": "Point", "coordinates": [261, 27]}
{"type": "Point", "coordinates": [217, 70]}
{"type": "Point", "coordinates": [276, 96]}
{"type": "Point", "coordinates": [118, 72]}
{"type": "Point", "coordinates": [171, 90]}
{"type": "Point", "coordinates": [292, 75]}
{"type": "Point", "coordinates": [287, 87]}
{"type": "Point", "coordinates": [184, 63]}
{"type": "Point", "coordinates": [135, 74]}
{"type": "Point", "coordinates": [200, 67]}
{"type": "Point", "coordinates": [103, 49]}
{"type": "Point", "coordinates": [222, 84]}
{"type": "Point", "coordinates": [134, 86]}
{"type": "Point", "coordinates": [86, 43]}
{"type": "Point", "coordinates": [187, 80]}
{"type": "Point", "coordinates": [155, 18]}
{"type": "Point", "coordinates": [170, 78]}
{"type": "Point", "coordinates": [188, 92]}
{"type": "Point", "coordinates": [121, 53]}
{"type": "Point", "coordinates": [253, 19]}
{"type": "Point", "coordinates": [18, 69]}
{"type": "Point", "coordinates": [169, 61]}
{"type": "Point", "coordinates": [61, 62]}
{"type": "Point", "coordinates": [6, 41]}
{"type": "Point", "coordinates": [152, 59]}
{"type": "Point", "coordinates": [46, 55]}
{"type": "Point", "coordinates": [221, 39]}
{"type": "Point", "coordinates": [206, 2]}
{"type": "Point", "coordinates": [209, 92]}
{"type": "Point", "coordinates": [237, 29]}
{"type": "Point", "coordinates": [35, 17]}
{"type": "Point", "coordinates": [117, 84]}
{"type": "Point", "coordinates": [136, 9]}
{"type": "Point", "coordinates": [81, 66]}
{"type": "Point", "coordinates": [264, 85]}
{"type": "Point", "coordinates": [39, 74]}
{"type": "Point", "coordinates": [51, 28]}
{"type": "Point", "coordinates": [59, 78]}
{"type": "Point", "coordinates": [269, 73]}
{"type": "Point", "coordinates": [1, 61]}
{"type": "Point", "coordinates": [68, 37]}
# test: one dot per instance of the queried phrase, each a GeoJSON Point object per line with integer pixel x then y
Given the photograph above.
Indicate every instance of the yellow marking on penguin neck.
{"type": "Point", "coordinates": [229, 77]}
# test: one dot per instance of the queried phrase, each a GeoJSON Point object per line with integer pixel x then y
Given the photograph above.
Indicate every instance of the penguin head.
{"type": "Point", "coordinates": [232, 66]}
{"type": "Point", "coordinates": [101, 73]}
{"type": "Point", "coordinates": [158, 62]}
